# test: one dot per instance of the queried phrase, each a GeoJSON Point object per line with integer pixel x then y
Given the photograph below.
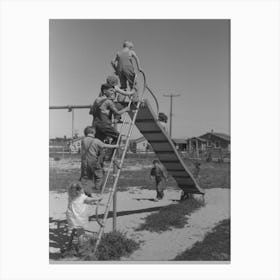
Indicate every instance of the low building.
{"type": "Point", "coordinates": [214, 142]}
{"type": "Point", "coordinates": [217, 140]}
{"type": "Point", "coordinates": [196, 144]}
{"type": "Point", "coordinates": [75, 145]}
{"type": "Point", "coordinates": [180, 144]}
{"type": "Point", "coordinates": [139, 145]}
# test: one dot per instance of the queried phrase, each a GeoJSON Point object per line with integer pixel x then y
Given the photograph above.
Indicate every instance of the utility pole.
{"type": "Point", "coordinates": [171, 105]}
{"type": "Point", "coordinates": [70, 109]}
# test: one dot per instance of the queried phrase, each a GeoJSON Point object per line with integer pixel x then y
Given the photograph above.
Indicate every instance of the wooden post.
{"type": "Point", "coordinates": [197, 151]}
{"type": "Point", "coordinates": [72, 123]}
{"type": "Point", "coordinates": [115, 193]}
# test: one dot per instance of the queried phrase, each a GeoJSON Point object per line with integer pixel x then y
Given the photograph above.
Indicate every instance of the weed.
{"type": "Point", "coordinates": [112, 246]}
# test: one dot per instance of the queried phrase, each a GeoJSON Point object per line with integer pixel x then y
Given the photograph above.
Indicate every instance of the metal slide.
{"type": "Point", "coordinates": [148, 124]}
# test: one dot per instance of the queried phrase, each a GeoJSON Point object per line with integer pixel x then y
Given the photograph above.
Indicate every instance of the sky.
{"type": "Point", "coordinates": [186, 57]}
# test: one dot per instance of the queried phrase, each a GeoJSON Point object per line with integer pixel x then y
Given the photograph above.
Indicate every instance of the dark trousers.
{"type": "Point", "coordinates": [160, 185]}
{"type": "Point", "coordinates": [104, 130]}
{"type": "Point", "coordinates": [92, 175]}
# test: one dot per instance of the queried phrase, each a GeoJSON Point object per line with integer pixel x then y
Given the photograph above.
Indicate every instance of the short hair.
{"type": "Point", "coordinates": [112, 80]}
{"type": "Point", "coordinates": [75, 189]}
{"type": "Point", "coordinates": [89, 130]}
{"type": "Point", "coordinates": [162, 117]}
{"type": "Point", "coordinates": [128, 44]}
{"type": "Point", "coordinates": [105, 87]}
{"type": "Point", "coordinates": [155, 161]}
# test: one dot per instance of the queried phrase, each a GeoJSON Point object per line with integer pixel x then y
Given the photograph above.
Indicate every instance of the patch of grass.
{"type": "Point", "coordinates": [171, 216]}
{"type": "Point", "coordinates": [211, 175]}
{"type": "Point", "coordinates": [214, 247]}
{"type": "Point", "coordinates": [112, 246]}
{"type": "Point", "coordinates": [59, 180]}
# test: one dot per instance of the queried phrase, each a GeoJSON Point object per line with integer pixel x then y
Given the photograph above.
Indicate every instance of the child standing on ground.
{"type": "Point", "coordinates": [77, 213]}
{"type": "Point", "coordinates": [123, 65]}
{"type": "Point", "coordinates": [160, 178]}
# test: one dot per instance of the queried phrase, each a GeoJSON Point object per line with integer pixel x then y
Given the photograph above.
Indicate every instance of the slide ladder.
{"type": "Point", "coordinates": [118, 153]}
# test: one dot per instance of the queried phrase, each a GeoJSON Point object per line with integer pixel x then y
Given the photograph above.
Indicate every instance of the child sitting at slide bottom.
{"type": "Point", "coordinates": [77, 215]}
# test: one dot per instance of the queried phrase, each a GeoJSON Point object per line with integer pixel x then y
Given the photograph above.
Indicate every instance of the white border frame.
{"type": "Point", "coordinates": [254, 120]}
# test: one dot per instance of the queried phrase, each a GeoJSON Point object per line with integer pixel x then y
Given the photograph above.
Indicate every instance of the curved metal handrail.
{"type": "Point", "coordinates": [148, 88]}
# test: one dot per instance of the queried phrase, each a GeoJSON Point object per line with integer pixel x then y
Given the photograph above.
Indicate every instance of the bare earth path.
{"type": "Point", "coordinates": [136, 204]}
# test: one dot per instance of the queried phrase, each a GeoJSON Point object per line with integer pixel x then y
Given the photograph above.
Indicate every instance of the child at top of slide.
{"type": "Point", "coordinates": [123, 65]}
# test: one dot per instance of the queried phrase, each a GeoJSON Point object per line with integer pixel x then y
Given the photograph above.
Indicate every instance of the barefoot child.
{"type": "Point", "coordinates": [77, 213]}
{"type": "Point", "coordinates": [160, 178]}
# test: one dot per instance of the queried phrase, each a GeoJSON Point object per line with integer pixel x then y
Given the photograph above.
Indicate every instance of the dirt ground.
{"type": "Point", "coordinates": [136, 203]}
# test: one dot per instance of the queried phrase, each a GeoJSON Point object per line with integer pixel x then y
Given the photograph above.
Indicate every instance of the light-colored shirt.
{"type": "Point", "coordinates": [124, 58]}
{"type": "Point", "coordinates": [164, 124]}
{"type": "Point", "coordinates": [77, 212]}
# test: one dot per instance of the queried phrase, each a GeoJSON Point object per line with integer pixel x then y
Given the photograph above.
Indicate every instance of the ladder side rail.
{"type": "Point", "coordinates": [114, 154]}
{"type": "Point", "coordinates": [113, 189]}
{"type": "Point", "coordinates": [149, 89]}
{"type": "Point", "coordinates": [109, 170]}
{"type": "Point", "coordinates": [118, 142]}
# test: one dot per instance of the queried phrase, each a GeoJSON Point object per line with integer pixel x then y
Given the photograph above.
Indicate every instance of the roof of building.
{"type": "Point", "coordinates": [179, 141]}
{"type": "Point", "coordinates": [197, 138]}
{"type": "Point", "coordinates": [219, 135]}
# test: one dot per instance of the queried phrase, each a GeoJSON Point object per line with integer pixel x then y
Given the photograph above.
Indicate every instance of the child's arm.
{"type": "Point", "coordinates": [114, 63]}
{"type": "Point", "coordinates": [133, 54]}
{"type": "Point", "coordinates": [91, 200]}
{"type": "Point", "coordinates": [110, 146]}
{"type": "Point", "coordinates": [164, 173]}
{"type": "Point", "coordinates": [115, 110]}
{"type": "Point", "coordinates": [123, 92]}
{"type": "Point", "coordinates": [152, 174]}
{"type": "Point", "coordinates": [120, 112]}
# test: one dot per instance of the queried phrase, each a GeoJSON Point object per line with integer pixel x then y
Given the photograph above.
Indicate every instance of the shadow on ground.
{"type": "Point", "coordinates": [58, 235]}
{"type": "Point", "coordinates": [57, 239]}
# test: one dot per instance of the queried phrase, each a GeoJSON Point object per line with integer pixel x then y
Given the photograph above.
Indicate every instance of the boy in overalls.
{"type": "Point", "coordinates": [92, 170]}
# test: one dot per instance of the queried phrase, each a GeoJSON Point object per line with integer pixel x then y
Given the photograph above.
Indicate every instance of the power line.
{"type": "Point", "coordinates": [170, 115]}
